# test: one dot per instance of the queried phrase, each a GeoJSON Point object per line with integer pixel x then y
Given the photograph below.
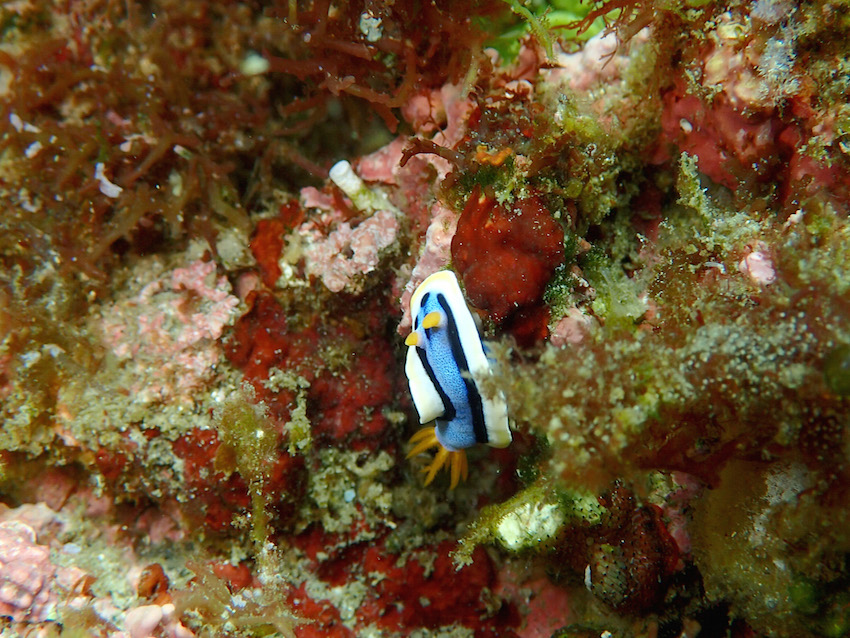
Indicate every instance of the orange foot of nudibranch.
{"type": "Point", "coordinates": [427, 438]}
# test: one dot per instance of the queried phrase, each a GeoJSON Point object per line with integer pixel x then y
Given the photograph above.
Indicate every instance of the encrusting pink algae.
{"type": "Point", "coordinates": [214, 216]}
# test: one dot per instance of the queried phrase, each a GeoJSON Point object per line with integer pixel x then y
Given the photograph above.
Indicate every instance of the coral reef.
{"type": "Point", "coordinates": [32, 586]}
{"type": "Point", "coordinates": [214, 216]}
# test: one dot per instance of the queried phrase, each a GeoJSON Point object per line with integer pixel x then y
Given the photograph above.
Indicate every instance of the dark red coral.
{"type": "Point", "coordinates": [236, 577]}
{"type": "Point", "coordinates": [344, 406]}
{"type": "Point", "coordinates": [262, 340]}
{"type": "Point", "coordinates": [409, 595]}
{"type": "Point", "coordinates": [728, 144]}
{"type": "Point", "coordinates": [111, 463]}
{"type": "Point", "coordinates": [349, 403]}
{"type": "Point", "coordinates": [325, 621]}
{"type": "Point", "coordinates": [266, 244]}
{"type": "Point", "coordinates": [268, 239]}
{"type": "Point", "coordinates": [215, 499]}
{"type": "Point", "coordinates": [420, 589]}
{"type": "Point", "coordinates": [153, 584]}
{"type": "Point", "coordinates": [758, 147]}
{"type": "Point", "coordinates": [506, 254]}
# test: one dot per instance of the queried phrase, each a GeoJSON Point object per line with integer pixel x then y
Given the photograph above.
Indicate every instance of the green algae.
{"type": "Point", "coordinates": [723, 360]}
{"type": "Point", "coordinates": [619, 299]}
{"type": "Point", "coordinates": [520, 523]}
{"type": "Point", "coordinates": [504, 181]}
{"type": "Point", "coordinates": [213, 610]}
{"type": "Point", "coordinates": [836, 370]}
{"type": "Point", "coordinates": [756, 545]}
{"type": "Point", "coordinates": [548, 22]}
{"type": "Point", "coordinates": [530, 521]}
{"type": "Point", "coordinates": [249, 446]}
{"type": "Point", "coordinates": [300, 436]}
{"type": "Point", "coordinates": [535, 26]}
{"type": "Point", "coordinates": [694, 355]}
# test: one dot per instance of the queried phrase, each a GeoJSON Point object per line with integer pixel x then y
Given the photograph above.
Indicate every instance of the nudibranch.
{"type": "Point", "coordinates": [445, 365]}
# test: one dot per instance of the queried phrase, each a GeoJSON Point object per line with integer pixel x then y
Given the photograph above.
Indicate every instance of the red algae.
{"type": "Point", "coordinates": [343, 403]}
{"type": "Point", "coordinates": [506, 256]}
{"type": "Point", "coordinates": [214, 508]}
{"type": "Point", "coordinates": [415, 591]}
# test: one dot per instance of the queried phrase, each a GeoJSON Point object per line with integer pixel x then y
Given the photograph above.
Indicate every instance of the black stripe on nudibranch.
{"type": "Point", "coordinates": [450, 412]}
{"type": "Point", "coordinates": [421, 305]}
{"type": "Point", "coordinates": [476, 404]}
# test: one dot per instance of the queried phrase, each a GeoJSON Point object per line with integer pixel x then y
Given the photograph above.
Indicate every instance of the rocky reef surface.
{"type": "Point", "coordinates": [214, 216]}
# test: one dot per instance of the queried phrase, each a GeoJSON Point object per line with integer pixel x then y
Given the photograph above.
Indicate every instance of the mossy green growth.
{"type": "Point", "coordinates": [558, 294]}
{"type": "Point", "coordinates": [503, 181]}
{"type": "Point", "coordinates": [589, 167]}
{"type": "Point", "coordinates": [836, 370]}
{"type": "Point", "coordinates": [529, 465]}
{"type": "Point", "coordinates": [522, 523]}
{"type": "Point", "coordinates": [249, 446]}
{"type": "Point", "coordinates": [620, 300]}
{"type": "Point", "coordinates": [536, 25]}
{"type": "Point", "coordinates": [582, 630]}
{"type": "Point", "coordinates": [210, 605]}
{"type": "Point", "coordinates": [530, 521]}
{"type": "Point", "coordinates": [716, 226]}
{"type": "Point", "coordinates": [298, 427]}
{"type": "Point", "coordinates": [804, 596]}
{"type": "Point", "coordinates": [835, 621]}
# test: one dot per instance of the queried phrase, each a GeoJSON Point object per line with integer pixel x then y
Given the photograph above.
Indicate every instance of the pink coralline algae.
{"type": "Point", "coordinates": [35, 589]}
{"type": "Point", "coordinates": [572, 328]}
{"type": "Point", "coordinates": [155, 620]}
{"type": "Point", "coordinates": [409, 186]}
{"type": "Point", "coordinates": [440, 116]}
{"type": "Point", "coordinates": [436, 254]}
{"type": "Point", "coordinates": [170, 323]}
{"type": "Point", "coordinates": [31, 586]}
{"type": "Point", "coordinates": [349, 251]}
{"type": "Point", "coordinates": [600, 62]}
{"type": "Point", "coordinates": [405, 593]}
{"type": "Point", "coordinates": [758, 265]}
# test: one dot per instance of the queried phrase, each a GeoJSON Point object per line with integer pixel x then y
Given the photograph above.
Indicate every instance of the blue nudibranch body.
{"type": "Point", "coordinates": [445, 365]}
